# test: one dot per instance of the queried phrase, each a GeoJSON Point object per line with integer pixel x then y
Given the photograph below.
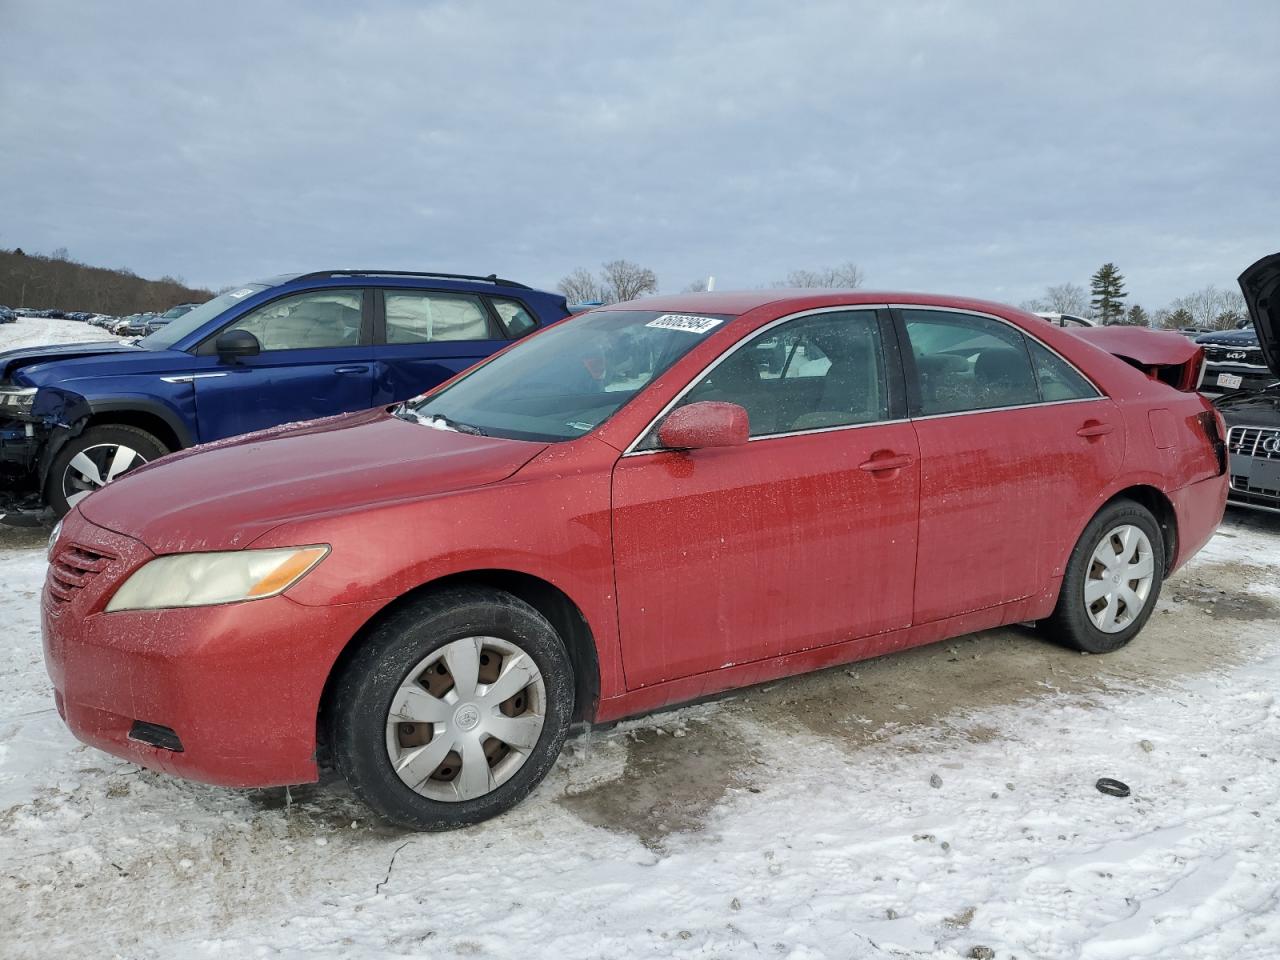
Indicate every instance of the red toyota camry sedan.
{"type": "Point", "coordinates": [641, 505]}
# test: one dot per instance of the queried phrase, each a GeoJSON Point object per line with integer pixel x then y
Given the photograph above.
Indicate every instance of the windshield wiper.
{"type": "Point", "coordinates": [437, 420]}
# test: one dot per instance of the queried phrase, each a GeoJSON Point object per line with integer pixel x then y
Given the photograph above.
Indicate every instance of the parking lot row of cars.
{"type": "Point", "coordinates": [133, 325]}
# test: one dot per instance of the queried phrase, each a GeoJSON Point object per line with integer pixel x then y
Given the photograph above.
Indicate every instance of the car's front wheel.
{"type": "Point", "coordinates": [1112, 580]}
{"type": "Point", "coordinates": [453, 709]}
{"type": "Point", "coordinates": [93, 459]}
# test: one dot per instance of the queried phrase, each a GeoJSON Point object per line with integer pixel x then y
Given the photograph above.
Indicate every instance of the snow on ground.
{"type": "Point", "coordinates": [38, 331]}
{"type": "Point", "coordinates": [918, 805]}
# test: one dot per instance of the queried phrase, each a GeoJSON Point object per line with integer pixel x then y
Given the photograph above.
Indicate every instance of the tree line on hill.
{"type": "Point", "coordinates": [58, 282]}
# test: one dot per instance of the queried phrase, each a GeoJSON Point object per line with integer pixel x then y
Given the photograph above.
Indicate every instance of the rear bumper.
{"type": "Point", "coordinates": [239, 684]}
{"type": "Point", "coordinates": [1199, 508]}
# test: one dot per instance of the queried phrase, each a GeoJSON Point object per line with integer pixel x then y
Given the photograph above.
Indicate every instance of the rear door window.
{"type": "Point", "coordinates": [967, 362]}
{"type": "Point", "coordinates": [426, 316]}
{"type": "Point", "coordinates": [1058, 379]}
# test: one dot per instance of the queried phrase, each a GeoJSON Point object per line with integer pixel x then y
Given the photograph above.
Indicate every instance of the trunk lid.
{"type": "Point", "coordinates": [1260, 285]}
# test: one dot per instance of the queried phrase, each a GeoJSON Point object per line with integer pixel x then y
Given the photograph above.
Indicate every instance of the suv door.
{"type": "Point", "coordinates": [424, 337]}
{"type": "Point", "coordinates": [316, 360]}
{"type": "Point", "coordinates": [1015, 444]}
{"type": "Point", "coordinates": [802, 537]}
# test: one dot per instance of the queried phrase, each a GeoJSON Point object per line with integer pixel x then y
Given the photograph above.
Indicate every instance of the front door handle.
{"type": "Point", "coordinates": [350, 369]}
{"type": "Point", "coordinates": [1094, 428]}
{"type": "Point", "coordinates": [878, 462]}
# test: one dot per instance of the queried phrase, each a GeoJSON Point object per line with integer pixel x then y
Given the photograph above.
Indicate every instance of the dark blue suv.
{"type": "Point", "coordinates": [76, 416]}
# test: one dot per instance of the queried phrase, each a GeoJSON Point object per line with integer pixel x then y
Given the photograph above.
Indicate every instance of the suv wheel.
{"type": "Point", "coordinates": [452, 710]}
{"type": "Point", "coordinates": [95, 458]}
{"type": "Point", "coordinates": [1112, 580]}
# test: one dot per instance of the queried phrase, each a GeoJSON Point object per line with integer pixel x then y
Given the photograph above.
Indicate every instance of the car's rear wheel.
{"type": "Point", "coordinates": [452, 710]}
{"type": "Point", "coordinates": [1112, 580]}
{"type": "Point", "coordinates": [96, 457]}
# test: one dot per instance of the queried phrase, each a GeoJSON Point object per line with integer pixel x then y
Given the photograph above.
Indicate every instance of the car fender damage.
{"type": "Point", "coordinates": [1160, 354]}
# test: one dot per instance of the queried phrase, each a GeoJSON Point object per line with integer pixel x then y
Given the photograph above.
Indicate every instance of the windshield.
{"type": "Point", "coordinates": [197, 317]}
{"type": "Point", "coordinates": [569, 379]}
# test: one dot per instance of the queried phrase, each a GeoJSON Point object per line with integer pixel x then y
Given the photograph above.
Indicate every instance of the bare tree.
{"type": "Point", "coordinates": [698, 286]}
{"type": "Point", "coordinates": [846, 276]}
{"type": "Point", "coordinates": [1212, 308]}
{"type": "Point", "coordinates": [1063, 298]}
{"type": "Point", "coordinates": [580, 286]}
{"type": "Point", "coordinates": [624, 280]}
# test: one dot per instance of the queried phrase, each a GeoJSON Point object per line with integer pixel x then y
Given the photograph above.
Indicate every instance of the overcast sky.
{"type": "Point", "coordinates": [977, 148]}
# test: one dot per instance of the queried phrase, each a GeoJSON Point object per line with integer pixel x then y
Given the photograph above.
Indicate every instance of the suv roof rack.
{"type": "Point", "coordinates": [491, 278]}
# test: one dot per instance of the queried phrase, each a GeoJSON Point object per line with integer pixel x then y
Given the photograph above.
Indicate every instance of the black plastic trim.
{"type": "Point", "coordinates": [491, 278]}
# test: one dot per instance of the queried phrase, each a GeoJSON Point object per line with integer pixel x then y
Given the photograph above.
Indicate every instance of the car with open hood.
{"type": "Point", "coordinates": [75, 417]}
{"type": "Point", "coordinates": [1253, 415]}
{"type": "Point", "coordinates": [641, 505]}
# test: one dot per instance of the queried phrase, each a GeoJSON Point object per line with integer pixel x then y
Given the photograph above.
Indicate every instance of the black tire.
{"type": "Point", "coordinates": [1070, 623]}
{"type": "Point", "coordinates": [147, 446]}
{"type": "Point", "coordinates": [362, 695]}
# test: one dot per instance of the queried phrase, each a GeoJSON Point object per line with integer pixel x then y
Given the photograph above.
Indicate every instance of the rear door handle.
{"type": "Point", "coordinates": [877, 464]}
{"type": "Point", "coordinates": [350, 369]}
{"type": "Point", "coordinates": [1094, 428]}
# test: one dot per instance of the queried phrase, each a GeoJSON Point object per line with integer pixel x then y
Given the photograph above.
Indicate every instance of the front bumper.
{"type": "Point", "coordinates": [238, 684]}
{"type": "Point", "coordinates": [1254, 454]}
{"type": "Point", "coordinates": [1252, 378]}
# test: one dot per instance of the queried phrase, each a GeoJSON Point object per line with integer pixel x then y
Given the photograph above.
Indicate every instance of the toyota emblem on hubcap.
{"type": "Point", "coordinates": [467, 717]}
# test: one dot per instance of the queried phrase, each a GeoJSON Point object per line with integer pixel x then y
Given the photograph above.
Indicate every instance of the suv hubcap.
{"type": "Point", "coordinates": [1117, 584]}
{"type": "Point", "coordinates": [466, 718]}
{"type": "Point", "coordinates": [95, 467]}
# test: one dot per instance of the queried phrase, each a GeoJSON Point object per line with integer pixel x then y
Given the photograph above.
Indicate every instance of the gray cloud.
{"type": "Point", "coordinates": [978, 148]}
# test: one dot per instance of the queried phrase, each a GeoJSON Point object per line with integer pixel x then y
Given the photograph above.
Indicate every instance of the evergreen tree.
{"type": "Point", "coordinates": [1137, 317]}
{"type": "Point", "coordinates": [1180, 319]}
{"type": "Point", "coordinates": [1108, 292]}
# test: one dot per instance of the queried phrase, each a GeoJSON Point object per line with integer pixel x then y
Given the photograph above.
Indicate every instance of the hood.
{"type": "Point", "coordinates": [1254, 408]}
{"type": "Point", "coordinates": [1260, 285]}
{"type": "Point", "coordinates": [224, 495]}
{"type": "Point", "coordinates": [11, 361]}
{"type": "Point", "coordinates": [1247, 337]}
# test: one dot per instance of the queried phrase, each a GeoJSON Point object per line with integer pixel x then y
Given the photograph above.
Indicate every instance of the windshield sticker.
{"type": "Point", "coordinates": [681, 321]}
{"type": "Point", "coordinates": [237, 294]}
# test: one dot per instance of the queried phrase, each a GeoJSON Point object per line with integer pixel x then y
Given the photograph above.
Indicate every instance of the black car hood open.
{"type": "Point", "coordinates": [14, 360]}
{"type": "Point", "coordinates": [1260, 285]}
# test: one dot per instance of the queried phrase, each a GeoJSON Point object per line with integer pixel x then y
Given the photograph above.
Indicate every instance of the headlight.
{"type": "Point", "coordinates": [17, 401]}
{"type": "Point", "coordinates": [53, 540]}
{"type": "Point", "coordinates": [201, 579]}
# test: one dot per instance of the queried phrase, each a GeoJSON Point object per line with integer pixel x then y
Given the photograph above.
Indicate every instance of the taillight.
{"type": "Point", "coordinates": [1215, 431]}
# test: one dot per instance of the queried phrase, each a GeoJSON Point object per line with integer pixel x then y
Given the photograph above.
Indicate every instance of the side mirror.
{"type": "Point", "coordinates": [705, 424]}
{"type": "Point", "coordinates": [234, 344]}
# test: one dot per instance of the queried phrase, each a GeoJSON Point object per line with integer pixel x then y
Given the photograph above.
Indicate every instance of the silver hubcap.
{"type": "Point", "coordinates": [95, 467]}
{"type": "Point", "coordinates": [1118, 582]}
{"type": "Point", "coordinates": [466, 718]}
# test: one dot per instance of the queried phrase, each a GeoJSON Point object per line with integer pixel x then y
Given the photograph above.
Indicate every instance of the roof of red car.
{"type": "Point", "coordinates": [741, 301]}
